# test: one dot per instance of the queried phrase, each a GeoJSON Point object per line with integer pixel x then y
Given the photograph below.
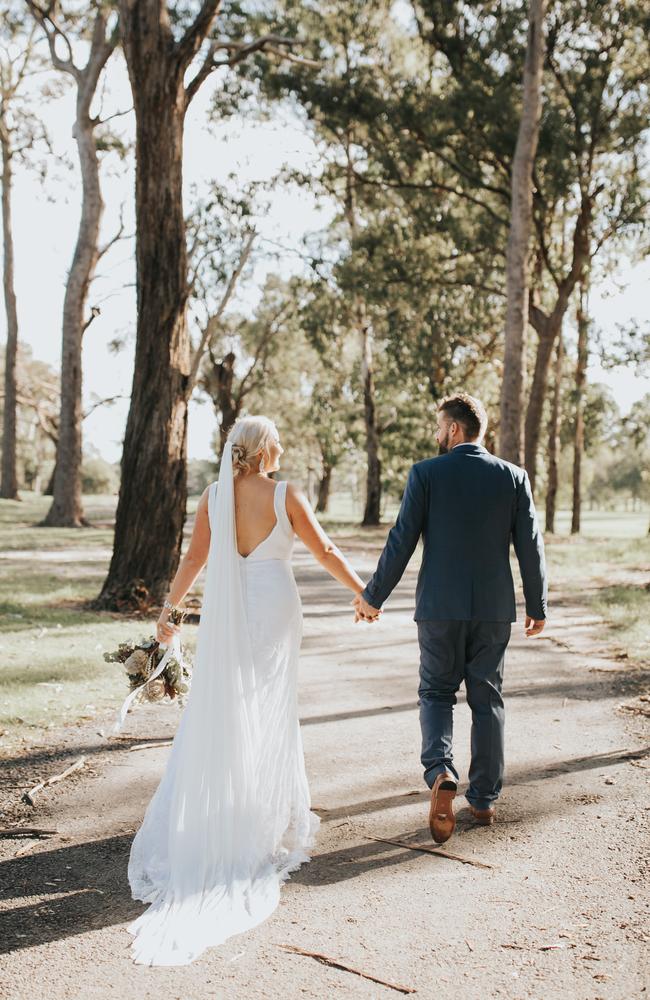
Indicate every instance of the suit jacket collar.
{"type": "Point", "coordinates": [470, 448]}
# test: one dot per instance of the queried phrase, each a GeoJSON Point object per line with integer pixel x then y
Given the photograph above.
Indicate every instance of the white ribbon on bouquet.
{"type": "Point", "coordinates": [174, 647]}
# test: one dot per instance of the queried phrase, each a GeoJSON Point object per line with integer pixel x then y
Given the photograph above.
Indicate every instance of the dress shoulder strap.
{"type": "Point", "coordinates": [280, 505]}
{"type": "Point", "coordinates": [212, 501]}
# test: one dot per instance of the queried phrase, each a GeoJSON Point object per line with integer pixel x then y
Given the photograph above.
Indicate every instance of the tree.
{"type": "Point", "coordinates": [579, 392]}
{"type": "Point", "coordinates": [590, 163]}
{"type": "Point", "coordinates": [37, 409]}
{"type": "Point", "coordinates": [20, 131]}
{"type": "Point", "coordinates": [102, 35]}
{"type": "Point", "coordinates": [343, 40]}
{"type": "Point", "coordinates": [554, 440]}
{"type": "Point", "coordinates": [241, 357]}
{"type": "Point", "coordinates": [443, 127]}
{"type": "Point", "coordinates": [332, 412]}
{"type": "Point", "coordinates": [521, 209]}
{"type": "Point", "coordinates": [161, 44]}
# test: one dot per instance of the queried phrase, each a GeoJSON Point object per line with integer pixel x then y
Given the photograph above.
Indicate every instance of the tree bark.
{"type": "Point", "coordinates": [9, 479]}
{"type": "Point", "coordinates": [324, 487]}
{"type": "Point", "coordinates": [548, 327]}
{"type": "Point", "coordinates": [372, 511]}
{"type": "Point", "coordinates": [548, 333]}
{"type": "Point", "coordinates": [580, 383]}
{"type": "Point", "coordinates": [372, 508]}
{"type": "Point", "coordinates": [153, 488]}
{"type": "Point", "coordinates": [521, 208]}
{"type": "Point", "coordinates": [554, 440]}
{"type": "Point", "coordinates": [226, 403]}
{"type": "Point", "coordinates": [66, 510]}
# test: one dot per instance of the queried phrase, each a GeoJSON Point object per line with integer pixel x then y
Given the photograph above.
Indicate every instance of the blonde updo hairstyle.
{"type": "Point", "coordinates": [249, 438]}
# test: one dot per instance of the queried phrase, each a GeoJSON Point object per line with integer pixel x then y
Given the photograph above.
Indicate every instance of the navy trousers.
{"type": "Point", "coordinates": [452, 652]}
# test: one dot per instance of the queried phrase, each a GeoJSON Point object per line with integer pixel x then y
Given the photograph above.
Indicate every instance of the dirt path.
{"type": "Point", "coordinates": [559, 912]}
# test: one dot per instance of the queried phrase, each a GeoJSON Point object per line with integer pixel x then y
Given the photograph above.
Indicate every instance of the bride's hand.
{"type": "Point", "coordinates": [165, 630]}
{"type": "Point", "coordinates": [364, 611]}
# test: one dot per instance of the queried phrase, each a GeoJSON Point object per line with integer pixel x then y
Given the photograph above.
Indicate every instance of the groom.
{"type": "Point", "coordinates": [466, 504]}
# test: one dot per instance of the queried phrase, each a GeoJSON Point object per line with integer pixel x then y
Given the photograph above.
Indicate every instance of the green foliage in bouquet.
{"type": "Point", "coordinates": [140, 660]}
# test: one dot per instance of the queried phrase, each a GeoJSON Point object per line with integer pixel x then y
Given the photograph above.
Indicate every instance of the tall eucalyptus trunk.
{"type": "Point", "coordinates": [153, 486]}
{"type": "Point", "coordinates": [517, 254]}
{"type": "Point", "coordinates": [372, 510]}
{"type": "Point", "coordinates": [372, 506]}
{"type": "Point", "coordinates": [580, 385]}
{"type": "Point", "coordinates": [324, 488]}
{"type": "Point", "coordinates": [9, 478]}
{"type": "Point", "coordinates": [66, 510]}
{"type": "Point", "coordinates": [554, 440]}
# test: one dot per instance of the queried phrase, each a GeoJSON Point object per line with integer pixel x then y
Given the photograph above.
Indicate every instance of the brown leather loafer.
{"type": "Point", "coordinates": [484, 817]}
{"type": "Point", "coordinates": [442, 821]}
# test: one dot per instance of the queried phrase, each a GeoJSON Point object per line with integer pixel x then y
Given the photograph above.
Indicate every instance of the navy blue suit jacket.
{"type": "Point", "coordinates": [466, 505]}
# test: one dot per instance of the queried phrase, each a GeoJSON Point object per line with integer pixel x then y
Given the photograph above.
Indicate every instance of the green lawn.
{"type": "Point", "coordinates": [51, 665]}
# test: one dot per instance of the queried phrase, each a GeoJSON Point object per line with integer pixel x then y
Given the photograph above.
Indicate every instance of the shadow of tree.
{"type": "Point", "coordinates": [86, 889]}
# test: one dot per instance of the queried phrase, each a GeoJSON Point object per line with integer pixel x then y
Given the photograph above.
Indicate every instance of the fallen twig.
{"type": "Point", "coordinates": [335, 964]}
{"type": "Point", "coordinates": [29, 796]}
{"type": "Point", "coordinates": [560, 945]}
{"type": "Point", "coordinates": [12, 833]}
{"type": "Point", "coordinates": [26, 848]}
{"type": "Point", "coordinates": [425, 849]}
{"type": "Point", "coordinates": [150, 746]}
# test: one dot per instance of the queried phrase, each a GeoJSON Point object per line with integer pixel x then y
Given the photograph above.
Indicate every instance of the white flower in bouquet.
{"type": "Point", "coordinates": [137, 662]}
{"type": "Point", "coordinates": [154, 690]}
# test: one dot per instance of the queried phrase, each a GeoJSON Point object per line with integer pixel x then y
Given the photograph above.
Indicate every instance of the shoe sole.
{"type": "Point", "coordinates": [442, 821]}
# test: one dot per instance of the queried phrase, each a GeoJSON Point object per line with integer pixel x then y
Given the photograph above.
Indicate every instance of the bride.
{"type": "Point", "coordinates": [231, 816]}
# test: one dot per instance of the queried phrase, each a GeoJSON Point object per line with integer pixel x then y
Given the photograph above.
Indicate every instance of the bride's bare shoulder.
{"type": "Point", "coordinates": [297, 502]}
{"type": "Point", "coordinates": [202, 505]}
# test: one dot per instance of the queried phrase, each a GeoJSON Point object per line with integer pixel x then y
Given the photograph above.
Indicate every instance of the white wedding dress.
{"type": "Point", "coordinates": [231, 816]}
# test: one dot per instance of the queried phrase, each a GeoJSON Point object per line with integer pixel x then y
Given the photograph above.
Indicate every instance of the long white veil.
{"type": "Point", "coordinates": [201, 855]}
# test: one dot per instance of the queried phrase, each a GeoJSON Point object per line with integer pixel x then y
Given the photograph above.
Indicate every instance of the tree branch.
{"type": "Point", "coordinates": [114, 239]}
{"type": "Point", "coordinates": [433, 186]}
{"type": "Point", "coordinates": [270, 332]}
{"type": "Point", "coordinates": [240, 51]}
{"type": "Point", "coordinates": [102, 402]}
{"type": "Point", "coordinates": [210, 326]}
{"type": "Point", "coordinates": [45, 18]}
{"type": "Point", "coordinates": [95, 311]}
{"type": "Point", "coordinates": [194, 37]}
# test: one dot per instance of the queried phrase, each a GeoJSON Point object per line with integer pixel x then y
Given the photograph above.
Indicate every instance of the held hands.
{"type": "Point", "coordinates": [533, 626]}
{"type": "Point", "coordinates": [364, 612]}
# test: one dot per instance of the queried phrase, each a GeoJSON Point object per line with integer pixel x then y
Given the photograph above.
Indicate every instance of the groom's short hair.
{"type": "Point", "coordinates": [466, 410]}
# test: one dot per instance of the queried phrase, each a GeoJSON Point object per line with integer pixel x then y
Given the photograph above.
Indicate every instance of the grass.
{"type": "Point", "coordinates": [51, 667]}
{"type": "Point", "coordinates": [52, 670]}
{"type": "Point", "coordinates": [608, 568]}
{"type": "Point", "coordinates": [626, 609]}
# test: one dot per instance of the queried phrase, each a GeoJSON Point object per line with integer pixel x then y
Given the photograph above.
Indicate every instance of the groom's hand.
{"type": "Point", "coordinates": [364, 611]}
{"type": "Point", "coordinates": [534, 626]}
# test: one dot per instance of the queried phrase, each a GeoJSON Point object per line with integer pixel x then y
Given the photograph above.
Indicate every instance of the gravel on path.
{"type": "Point", "coordinates": [558, 912]}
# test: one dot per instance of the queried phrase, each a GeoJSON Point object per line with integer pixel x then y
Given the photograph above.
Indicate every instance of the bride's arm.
{"type": "Point", "coordinates": [189, 567]}
{"type": "Point", "coordinates": [309, 531]}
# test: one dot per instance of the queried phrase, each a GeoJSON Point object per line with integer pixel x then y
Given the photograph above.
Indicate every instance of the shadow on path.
{"type": "Point", "coordinates": [93, 878]}
{"type": "Point", "coordinates": [515, 777]}
{"type": "Point", "coordinates": [87, 888]}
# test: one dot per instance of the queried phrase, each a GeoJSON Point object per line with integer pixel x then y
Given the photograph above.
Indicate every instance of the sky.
{"type": "Point", "coordinates": [45, 224]}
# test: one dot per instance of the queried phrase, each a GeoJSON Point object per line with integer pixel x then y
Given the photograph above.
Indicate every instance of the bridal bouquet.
{"type": "Point", "coordinates": [154, 672]}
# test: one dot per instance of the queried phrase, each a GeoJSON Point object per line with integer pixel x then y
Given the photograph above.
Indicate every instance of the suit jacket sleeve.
{"type": "Point", "coordinates": [529, 547]}
{"type": "Point", "coordinates": [401, 542]}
